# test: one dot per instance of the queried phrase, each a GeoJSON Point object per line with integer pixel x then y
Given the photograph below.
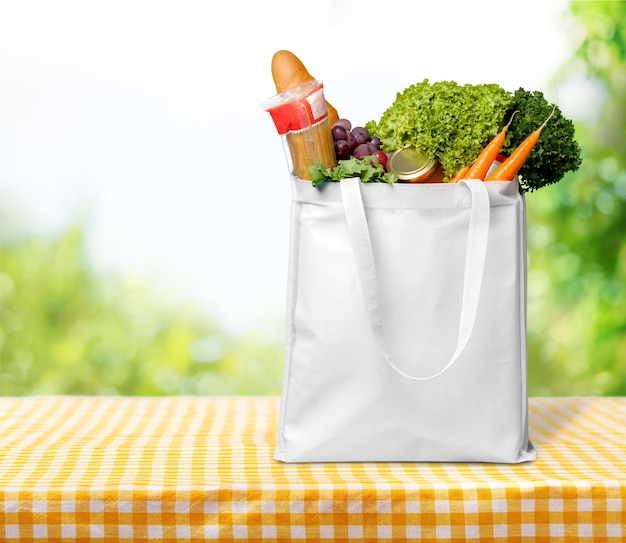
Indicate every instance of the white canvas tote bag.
{"type": "Point", "coordinates": [405, 324]}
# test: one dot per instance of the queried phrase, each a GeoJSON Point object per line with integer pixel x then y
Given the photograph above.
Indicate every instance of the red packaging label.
{"type": "Point", "coordinates": [301, 112]}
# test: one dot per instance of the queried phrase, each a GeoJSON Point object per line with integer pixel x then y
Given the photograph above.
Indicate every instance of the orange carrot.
{"type": "Point", "coordinates": [485, 159]}
{"type": "Point", "coordinates": [459, 175]}
{"type": "Point", "coordinates": [509, 168]}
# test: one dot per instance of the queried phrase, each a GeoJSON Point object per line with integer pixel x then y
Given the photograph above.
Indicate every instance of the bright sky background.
{"type": "Point", "coordinates": [144, 118]}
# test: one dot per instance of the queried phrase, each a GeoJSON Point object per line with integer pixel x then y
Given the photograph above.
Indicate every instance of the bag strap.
{"type": "Point", "coordinates": [474, 265]}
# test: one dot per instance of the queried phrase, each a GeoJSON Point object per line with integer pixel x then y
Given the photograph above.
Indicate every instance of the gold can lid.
{"type": "Point", "coordinates": [409, 163]}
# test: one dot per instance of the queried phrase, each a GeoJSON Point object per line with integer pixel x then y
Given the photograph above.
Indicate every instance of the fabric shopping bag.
{"type": "Point", "coordinates": [405, 324]}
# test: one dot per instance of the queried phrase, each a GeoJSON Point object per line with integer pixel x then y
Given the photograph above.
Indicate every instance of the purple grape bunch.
{"type": "Point", "coordinates": [356, 142]}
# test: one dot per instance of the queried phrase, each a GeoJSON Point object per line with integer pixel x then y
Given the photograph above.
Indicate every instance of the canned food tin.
{"type": "Point", "coordinates": [412, 166]}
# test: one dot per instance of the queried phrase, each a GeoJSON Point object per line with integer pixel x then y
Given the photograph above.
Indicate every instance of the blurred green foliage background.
{"type": "Point", "coordinates": [66, 329]}
{"type": "Point", "coordinates": [577, 230]}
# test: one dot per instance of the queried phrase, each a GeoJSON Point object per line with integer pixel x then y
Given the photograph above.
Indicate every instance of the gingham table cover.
{"type": "Point", "coordinates": [201, 469]}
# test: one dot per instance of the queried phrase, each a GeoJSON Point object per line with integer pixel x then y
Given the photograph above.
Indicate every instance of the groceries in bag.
{"type": "Point", "coordinates": [443, 132]}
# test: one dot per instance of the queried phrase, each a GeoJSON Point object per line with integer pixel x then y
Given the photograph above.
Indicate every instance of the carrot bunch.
{"type": "Point", "coordinates": [509, 168]}
{"type": "Point", "coordinates": [479, 168]}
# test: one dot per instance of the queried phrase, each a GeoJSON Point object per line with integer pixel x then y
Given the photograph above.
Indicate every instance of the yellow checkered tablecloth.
{"type": "Point", "coordinates": [201, 469]}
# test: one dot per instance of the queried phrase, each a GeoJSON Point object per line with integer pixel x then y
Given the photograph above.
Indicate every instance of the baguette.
{"type": "Point", "coordinates": [289, 72]}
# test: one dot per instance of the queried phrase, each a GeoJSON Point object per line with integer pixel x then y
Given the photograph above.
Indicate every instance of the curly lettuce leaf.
{"type": "Point", "coordinates": [367, 169]}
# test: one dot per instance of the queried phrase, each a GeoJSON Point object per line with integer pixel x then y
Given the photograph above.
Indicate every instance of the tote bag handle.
{"type": "Point", "coordinates": [474, 265]}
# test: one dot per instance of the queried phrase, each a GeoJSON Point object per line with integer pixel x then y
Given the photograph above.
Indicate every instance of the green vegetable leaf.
{"type": "Point", "coordinates": [556, 152]}
{"type": "Point", "coordinates": [367, 169]}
